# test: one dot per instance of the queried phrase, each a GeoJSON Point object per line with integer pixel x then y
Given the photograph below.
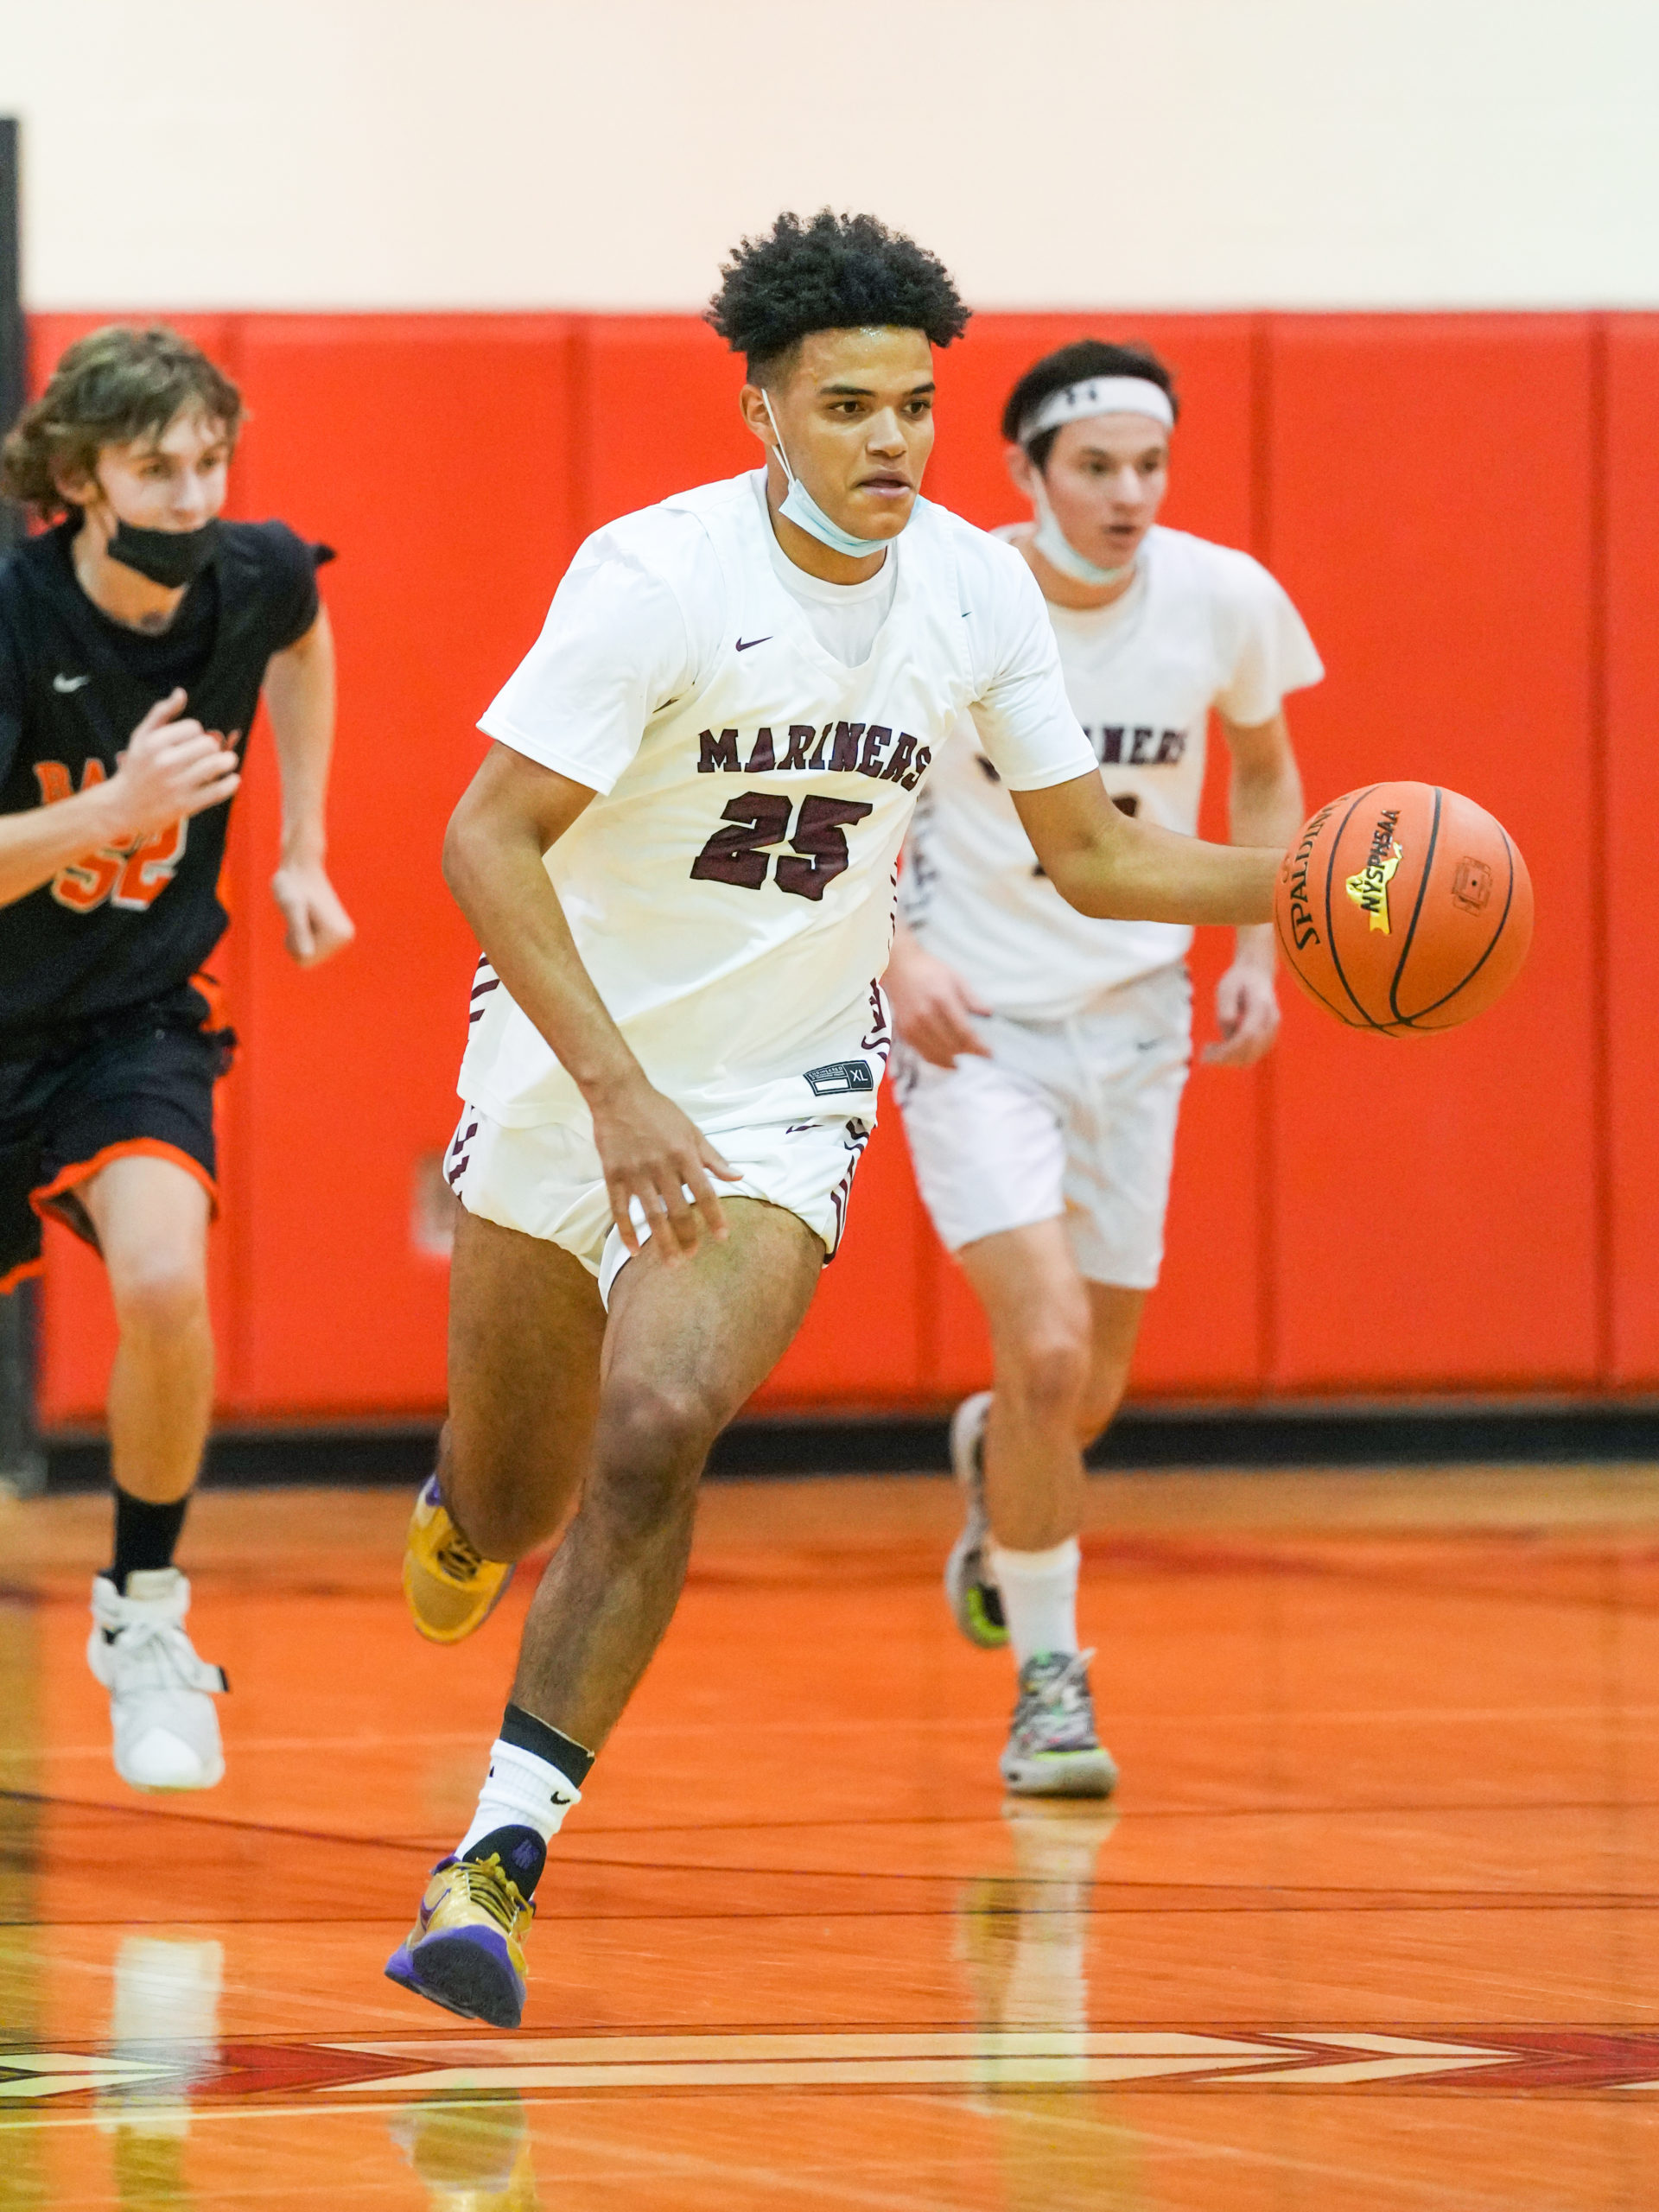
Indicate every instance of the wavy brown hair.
{"type": "Point", "coordinates": [110, 387]}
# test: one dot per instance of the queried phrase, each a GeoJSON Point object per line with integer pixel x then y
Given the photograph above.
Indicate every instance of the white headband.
{"type": "Point", "coordinates": [1099, 395]}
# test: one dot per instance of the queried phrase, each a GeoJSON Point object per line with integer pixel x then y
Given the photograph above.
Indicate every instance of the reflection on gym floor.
{"type": "Point", "coordinates": [1372, 1921]}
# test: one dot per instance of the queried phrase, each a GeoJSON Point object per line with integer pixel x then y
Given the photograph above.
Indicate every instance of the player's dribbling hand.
{"type": "Point", "coordinates": [653, 1152]}
{"type": "Point", "coordinates": [932, 1007]}
{"type": "Point", "coordinates": [1246, 1014]}
{"type": "Point", "coordinates": [315, 924]}
{"type": "Point", "coordinates": [171, 768]}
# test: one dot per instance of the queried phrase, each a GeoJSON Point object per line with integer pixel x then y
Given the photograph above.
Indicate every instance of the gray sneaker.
{"type": "Point", "coordinates": [1053, 1749]}
{"type": "Point", "coordinates": [975, 1601]}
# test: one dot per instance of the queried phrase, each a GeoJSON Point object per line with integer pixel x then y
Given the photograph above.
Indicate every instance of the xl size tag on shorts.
{"type": "Point", "coordinates": [839, 1078]}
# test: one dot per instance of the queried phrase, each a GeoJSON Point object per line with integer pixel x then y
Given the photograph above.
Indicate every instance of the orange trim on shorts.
{"type": "Point", "coordinates": [213, 990]}
{"type": "Point", "coordinates": [82, 1170]}
{"type": "Point", "coordinates": [21, 1273]}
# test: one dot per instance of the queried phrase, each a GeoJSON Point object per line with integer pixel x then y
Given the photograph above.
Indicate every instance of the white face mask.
{"type": "Point", "coordinates": [1057, 548]}
{"type": "Point", "coordinates": [804, 509]}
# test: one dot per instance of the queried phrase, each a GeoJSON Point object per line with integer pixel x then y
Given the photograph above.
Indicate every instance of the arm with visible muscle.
{"type": "Point", "coordinates": [171, 769]}
{"type": "Point", "coordinates": [511, 814]}
{"type": "Point", "coordinates": [1121, 867]}
{"type": "Point", "coordinates": [300, 694]}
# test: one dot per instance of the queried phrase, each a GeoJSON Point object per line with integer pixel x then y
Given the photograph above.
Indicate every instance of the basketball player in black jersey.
{"type": "Point", "coordinates": [135, 638]}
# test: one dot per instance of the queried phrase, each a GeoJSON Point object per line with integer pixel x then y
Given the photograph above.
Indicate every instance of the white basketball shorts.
{"type": "Point", "coordinates": [1072, 1119]}
{"type": "Point", "coordinates": [546, 1182]}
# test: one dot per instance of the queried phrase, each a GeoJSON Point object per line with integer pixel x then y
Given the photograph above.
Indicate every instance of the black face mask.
{"type": "Point", "coordinates": [169, 557]}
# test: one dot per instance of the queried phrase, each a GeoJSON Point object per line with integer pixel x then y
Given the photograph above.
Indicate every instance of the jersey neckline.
{"type": "Point", "coordinates": [855, 594]}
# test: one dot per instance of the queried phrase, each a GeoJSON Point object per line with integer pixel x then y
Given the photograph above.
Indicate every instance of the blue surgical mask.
{"type": "Point", "coordinates": [1057, 548]}
{"type": "Point", "coordinates": [804, 511]}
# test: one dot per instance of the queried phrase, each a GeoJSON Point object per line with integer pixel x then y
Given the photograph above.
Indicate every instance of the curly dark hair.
{"type": "Point", "coordinates": [113, 385]}
{"type": "Point", "coordinates": [1087, 357]}
{"type": "Point", "coordinates": [837, 272]}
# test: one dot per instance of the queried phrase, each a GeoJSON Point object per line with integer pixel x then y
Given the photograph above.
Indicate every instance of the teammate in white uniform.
{"type": "Point", "coordinates": [679, 858]}
{"type": "Point", "coordinates": [1043, 1051]}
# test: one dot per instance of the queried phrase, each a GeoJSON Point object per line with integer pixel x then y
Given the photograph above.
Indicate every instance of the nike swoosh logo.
{"type": "Point", "coordinates": [743, 644]}
{"type": "Point", "coordinates": [69, 682]}
{"type": "Point", "coordinates": [559, 1798]}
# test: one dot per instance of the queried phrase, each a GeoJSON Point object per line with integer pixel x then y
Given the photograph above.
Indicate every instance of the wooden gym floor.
{"type": "Point", "coordinates": [1374, 1923]}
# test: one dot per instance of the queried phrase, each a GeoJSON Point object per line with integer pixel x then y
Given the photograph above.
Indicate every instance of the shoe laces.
{"type": "Point", "coordinates": [459, 1560]}
{"type": "Point", "coordinates": [1057, 1683]}
{"type": "Point", "coordinates": [160, 1649]}
{"type": "Point", "coordinates": [489, 1886]}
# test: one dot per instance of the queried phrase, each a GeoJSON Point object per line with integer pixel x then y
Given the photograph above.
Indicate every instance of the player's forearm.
{"type": "Point", "coordinates": [501, 883]}
{"type": "Point", "coordinates": [1121, 867]}
{"type": "Point", "coordinates": [300, 694]}
{"type": "Point", "coordinates": [1266, 808]}
{"type": "Point", "coordinates": [1152, 874]}
{"type": "Point", "coordinates": [36, 844]}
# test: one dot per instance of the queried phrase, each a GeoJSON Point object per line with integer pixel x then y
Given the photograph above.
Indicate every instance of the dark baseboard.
{"type": "Point", "coordinates": [1416, 1432]}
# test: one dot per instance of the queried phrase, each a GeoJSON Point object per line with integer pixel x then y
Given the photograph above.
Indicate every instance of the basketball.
{"type": "Point", "coordinates": [1404, 908]}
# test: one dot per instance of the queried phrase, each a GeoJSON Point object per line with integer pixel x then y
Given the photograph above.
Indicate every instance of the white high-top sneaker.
{"type": "Point", "coordinates": [161, 1694]}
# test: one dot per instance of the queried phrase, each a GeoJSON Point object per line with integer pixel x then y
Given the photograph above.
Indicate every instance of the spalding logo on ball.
{"type": "Point", "coordinates": [1404, 908]}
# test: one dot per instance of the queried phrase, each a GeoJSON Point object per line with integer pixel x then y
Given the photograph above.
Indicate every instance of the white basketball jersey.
{"type": "Point", "coordinates": [731, 890]}
{"type": "Point", "coordinates": [1201, 626]}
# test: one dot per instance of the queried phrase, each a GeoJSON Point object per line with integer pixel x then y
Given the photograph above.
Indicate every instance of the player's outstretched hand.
{"type": "Point", "coordinates": [171, 768]}
{"type": "Point", "coordinates": [1246, 1014]}
{"type": "Point", "coordinates": [652, 1152]}
{"type": "Point", "coordinates": [315, 924]}
{"type": "Point", "coordinates": [932, 1007]}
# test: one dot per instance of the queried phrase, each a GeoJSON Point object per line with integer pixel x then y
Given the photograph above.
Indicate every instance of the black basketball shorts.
{"type": "Point", "coordinates": [135, 1083]}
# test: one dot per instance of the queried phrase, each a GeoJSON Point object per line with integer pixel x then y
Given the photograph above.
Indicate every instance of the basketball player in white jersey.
{"type": "Point", "coordinates": [1043, 1051]}
{"type": "Point", "coordinates": [679, 857]}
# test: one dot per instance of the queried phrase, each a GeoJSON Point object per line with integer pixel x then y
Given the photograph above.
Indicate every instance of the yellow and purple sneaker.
{"type": "Point", "coordinates": [463, 1952]}
{"type": "Point", "coordinates": [451, 1588]}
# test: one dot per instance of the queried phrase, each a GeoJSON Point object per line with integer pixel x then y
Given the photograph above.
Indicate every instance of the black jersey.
{"type": "Point", "coordinates": [127, 923]}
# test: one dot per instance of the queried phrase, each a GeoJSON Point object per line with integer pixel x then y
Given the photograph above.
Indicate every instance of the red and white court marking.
{"type": "Point", "coordinates": [1505, 2061]}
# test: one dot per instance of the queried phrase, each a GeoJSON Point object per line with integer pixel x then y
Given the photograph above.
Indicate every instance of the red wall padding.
{"type": "Point", "coordinates": [1429, 509]}
{"type": "Point", "coordinates": [1464, 509]}
{"type": "Point", "coordinates": [1630, 978]}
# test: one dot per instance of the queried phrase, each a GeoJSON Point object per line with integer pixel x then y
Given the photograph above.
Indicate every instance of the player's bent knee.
{"type": "Point", "coordinates": [1048, 1371]}
{"type": "Point", "coordinates": [660, 1427]}
{"type": "Point", "coordinates": [652, 1440]}
{"type": "Point", "coordinates": [162, 1298]}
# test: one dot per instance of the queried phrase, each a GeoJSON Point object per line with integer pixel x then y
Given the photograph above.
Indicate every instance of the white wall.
{"type": "Point", "coordinates": [536, 153]}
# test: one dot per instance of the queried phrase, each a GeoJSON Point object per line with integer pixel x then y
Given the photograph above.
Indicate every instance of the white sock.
{"type": "Point", "coordinates": [1039, 1597]}
{"type": "Point", "coordinates": [521, 1791]}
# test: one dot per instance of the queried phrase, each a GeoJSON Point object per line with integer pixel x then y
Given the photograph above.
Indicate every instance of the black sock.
{"type": "Point", "coordinates": [573, 1759]}
{"type": "Point", "coordinates": [145, 1535]}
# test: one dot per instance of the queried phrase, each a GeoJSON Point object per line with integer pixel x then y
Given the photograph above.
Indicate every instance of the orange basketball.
{"type": "Point", "coordinates": [1404, 908]}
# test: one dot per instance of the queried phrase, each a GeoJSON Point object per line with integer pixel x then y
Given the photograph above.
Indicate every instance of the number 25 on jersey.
{"type": "Point", "coordinates": [133, 875]}
{"type": "Point", "coordinates": [739, 853]}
